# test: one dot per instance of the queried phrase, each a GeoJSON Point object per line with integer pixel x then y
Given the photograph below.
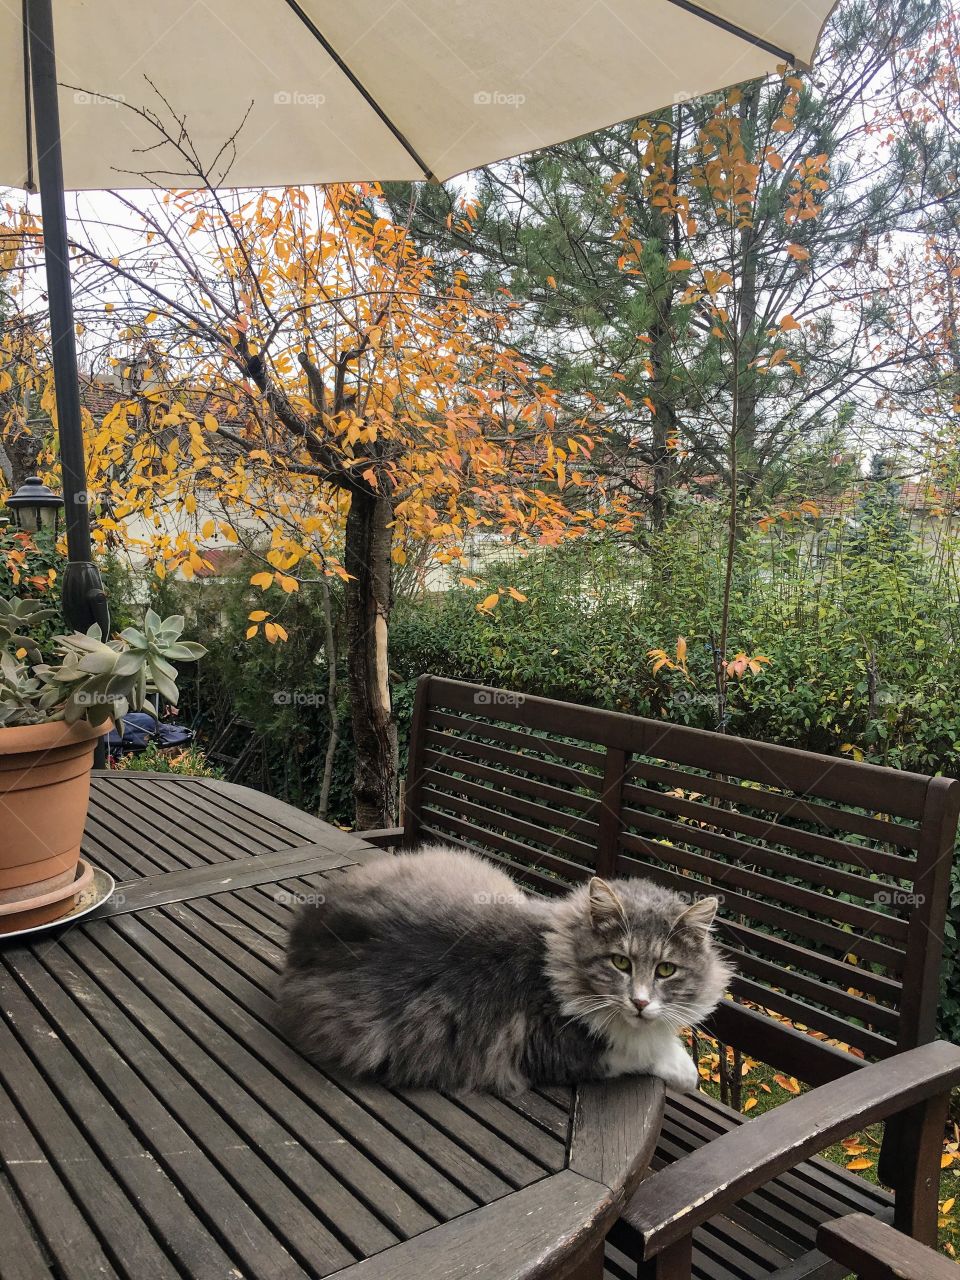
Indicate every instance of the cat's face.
{"type": "Point", "coordinates": [631, 952]}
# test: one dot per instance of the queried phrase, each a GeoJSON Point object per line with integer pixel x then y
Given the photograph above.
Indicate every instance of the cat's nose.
{"type": "Point", "coordinates": [639, 1004]}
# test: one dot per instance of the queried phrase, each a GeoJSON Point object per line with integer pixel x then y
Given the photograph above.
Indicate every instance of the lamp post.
{"type": "Point", "coordinates": [36, 508]}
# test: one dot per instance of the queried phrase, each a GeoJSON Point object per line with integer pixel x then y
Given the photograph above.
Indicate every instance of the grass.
{"type": "Point", "coordinates": [763, 1088]}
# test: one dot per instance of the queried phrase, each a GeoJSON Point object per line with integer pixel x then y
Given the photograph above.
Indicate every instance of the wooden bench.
{"type": "Point", "coordinates": [833, 878]}
{"type": "Point", "coordinates": [873, 1250]}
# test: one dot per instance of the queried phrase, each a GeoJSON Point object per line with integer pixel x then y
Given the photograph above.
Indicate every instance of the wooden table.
{"type": "Point", "coordinates": [153, 1124]}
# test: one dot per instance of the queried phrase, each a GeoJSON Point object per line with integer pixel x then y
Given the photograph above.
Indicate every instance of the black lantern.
{"type": "Point", "coordinates": [36, 507]}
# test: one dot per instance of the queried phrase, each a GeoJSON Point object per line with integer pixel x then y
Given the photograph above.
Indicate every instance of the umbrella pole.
{"type": "Point", "coordinates": [84, 599]}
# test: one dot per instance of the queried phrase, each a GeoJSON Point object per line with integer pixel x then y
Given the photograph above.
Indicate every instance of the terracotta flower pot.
{"type": "Point", "coordinates": [44, 792]}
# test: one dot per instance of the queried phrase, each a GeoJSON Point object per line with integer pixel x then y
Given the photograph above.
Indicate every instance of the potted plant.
{"type": "Point", "coordinates": [50, 718]}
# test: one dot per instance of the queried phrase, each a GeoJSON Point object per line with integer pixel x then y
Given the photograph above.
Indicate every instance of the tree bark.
{"type": "Point", "coordinates": [367, 609]}
{"type": "Point", "coordinates": [330, 652]}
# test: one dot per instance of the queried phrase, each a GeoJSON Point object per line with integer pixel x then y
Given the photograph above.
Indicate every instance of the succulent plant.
{"type": "Point", "coordinates": [96, 679]}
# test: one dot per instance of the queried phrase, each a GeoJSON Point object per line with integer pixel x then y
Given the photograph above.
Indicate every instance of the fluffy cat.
{"type": "Point", "coordinates": [434, 969]}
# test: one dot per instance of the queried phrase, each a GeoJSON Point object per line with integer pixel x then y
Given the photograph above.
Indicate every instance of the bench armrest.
{"type": "Point", "coordinates": [876, 1250]}
{"type": "Point", "coordinates": [677, 1199]}
{"type": "Point", "coordinates": [383, 837]}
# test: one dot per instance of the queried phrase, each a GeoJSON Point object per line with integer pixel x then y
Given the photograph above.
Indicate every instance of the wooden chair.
{"type": "Point", "coordinates": [833, 878]}
{"type": "Point", "coordinates": [873, 1250]}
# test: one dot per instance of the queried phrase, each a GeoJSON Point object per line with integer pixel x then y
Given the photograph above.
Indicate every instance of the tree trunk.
{"type": "Point", "coordinates": [330, 652]}
{"type": "Point", "coordinates": [367, 608]}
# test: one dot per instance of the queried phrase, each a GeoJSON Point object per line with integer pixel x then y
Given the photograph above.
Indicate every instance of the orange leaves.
{"type": "Point", "coordinates": [680, 264]}
{"type": "Point", "coordinates": [789, 1083]}
{"type": "Point", "coordinates": [738, 667]}
{"type": "Point", "coordinates": [803, 509]}
{"type": "Point", "coordinates": [262, 580]}
{"type": "Point", "coordinates": [798, 252]}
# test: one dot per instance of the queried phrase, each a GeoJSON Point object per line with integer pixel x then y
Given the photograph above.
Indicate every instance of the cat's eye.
{"type": "Point", "coordinates": [620, 962]}
{"type": "Point", "coordinates": [665, 969]}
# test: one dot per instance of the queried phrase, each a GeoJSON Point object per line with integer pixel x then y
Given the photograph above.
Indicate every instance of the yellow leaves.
{"type": "Point", "coordinates": [798, 252]}
{"type": "Point", "coordinates": [210, 422]}
{"type": "Point", "coordinates": [749, 1104]}
{"type": "Point", "coordinates": [787, 323]}
{"type": "Point", "coordinates": [680, 264]}
{"type": "Point", "coordinates": [274, 632]}
{"type": "Point", "coordinates": [788, 1083]}
{"type": "Point", "coordinates": [489, 603]}
{"type": "Point", "coordinates": [860, 1163]}
{"type": "Point", "coordinates": [108, 306]}
{"type": "Point", "coordinates": [251, 632]}
{"type": "Point", "coordinates": [850, 749]}
{"type": "Point", "coordinates": [258, 615]}
{"type": "Point", "coordinates": [262, 580]}
{"type": "Point", "coordinates": [286, 583]}
{"type": "Point", "coordinates": [150, 317]}
{"type": "Point", "coordinates": [948, 1205]}
{"type": "Point", "coordinates": [716, 280]}
{"type": "Point", "coordinates": [399, 556]}
{"type": "Point", "coordinates": [660, 658]}
{"type": "Point", "coordinates": [516, 595]}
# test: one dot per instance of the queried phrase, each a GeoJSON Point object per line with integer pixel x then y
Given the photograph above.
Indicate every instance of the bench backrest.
{"type": "Point", "coordinates": [833, 875]}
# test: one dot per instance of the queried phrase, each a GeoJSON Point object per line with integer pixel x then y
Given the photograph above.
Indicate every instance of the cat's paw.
{"type": "Point", "coordinates": [678, 1071]}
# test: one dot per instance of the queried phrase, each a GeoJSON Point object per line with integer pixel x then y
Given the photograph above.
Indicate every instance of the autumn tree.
{"type": "Point", "coordinates": [313, 392]}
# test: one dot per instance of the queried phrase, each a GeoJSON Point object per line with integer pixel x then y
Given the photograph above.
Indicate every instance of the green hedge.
{"type": "Point", "coordinates": [861, 628]}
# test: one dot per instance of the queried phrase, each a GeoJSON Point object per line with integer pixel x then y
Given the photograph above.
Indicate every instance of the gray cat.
{"type": "Point", "coordinates": [433, 969]}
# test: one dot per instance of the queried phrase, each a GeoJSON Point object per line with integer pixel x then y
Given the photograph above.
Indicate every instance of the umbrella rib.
{"type": "Point", "coordinates": [741, 32]}
{"type": "Point", "coordinates": [360, 87]}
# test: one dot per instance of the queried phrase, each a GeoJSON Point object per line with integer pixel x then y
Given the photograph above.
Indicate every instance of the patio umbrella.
{"type": "Point", "coordinates": [314, 91]}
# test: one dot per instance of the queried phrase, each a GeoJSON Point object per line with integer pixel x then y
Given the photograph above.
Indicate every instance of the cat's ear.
{"type": "Point", "coordinates": [699, 915]}
{"type": "Point", "coordinates": [605, 907]}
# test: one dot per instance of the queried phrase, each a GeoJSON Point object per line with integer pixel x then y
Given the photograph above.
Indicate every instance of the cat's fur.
{"type": "Point", "coordinates": [434, 969]}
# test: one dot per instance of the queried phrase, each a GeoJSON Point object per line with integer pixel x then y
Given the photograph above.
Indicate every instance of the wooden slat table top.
{"type": "Point", "coordinates": [153, 1123]}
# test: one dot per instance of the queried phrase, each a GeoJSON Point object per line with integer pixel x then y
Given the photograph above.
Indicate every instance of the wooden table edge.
{"type": "Point", "coordinates": [586, 1200]}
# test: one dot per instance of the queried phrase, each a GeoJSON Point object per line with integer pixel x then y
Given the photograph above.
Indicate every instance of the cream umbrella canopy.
{"type": "Point", "coordinates": [313, 91]}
